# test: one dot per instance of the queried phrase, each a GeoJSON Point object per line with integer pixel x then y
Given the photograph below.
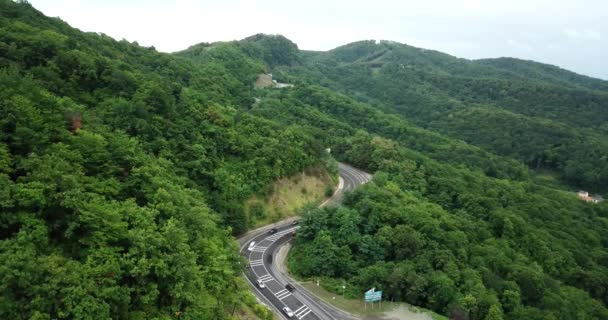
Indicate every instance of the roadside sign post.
{"type": "Point", "coordinates": [372, 296]}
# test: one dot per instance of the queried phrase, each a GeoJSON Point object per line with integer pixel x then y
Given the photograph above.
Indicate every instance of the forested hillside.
{"type": "Point", "coordinates": [447, 225]}
{"type": "Point", "coordinates": [440, 228]}
{"type": "Point", "coordinates": [545, 72]}
{"type": "Point", "coordinates": [464, 99]}
{"type": "Point", "coordinates": [124, 174]}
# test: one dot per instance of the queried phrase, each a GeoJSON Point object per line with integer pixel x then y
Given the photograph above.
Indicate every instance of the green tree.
{"type": "Point", "coordinates": [495, 313]}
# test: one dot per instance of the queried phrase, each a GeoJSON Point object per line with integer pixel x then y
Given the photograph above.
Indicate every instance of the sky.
{"type": "Point", "coordinates": [569, 34]}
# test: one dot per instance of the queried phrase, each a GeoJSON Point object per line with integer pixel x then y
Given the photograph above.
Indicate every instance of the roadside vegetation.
{"type": "Point", "coordinates": [455, 241]}
{"type": "Point", "coordinates": [358, 307]}
{"type": "Point", "coordinates": [288, 195]}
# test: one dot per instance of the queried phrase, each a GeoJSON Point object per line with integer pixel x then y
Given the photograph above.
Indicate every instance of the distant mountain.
{"type": "Point", "coordinates": [434, 90]}
{"type": "Point", "coordinates": [273, 50]}
{"type": "Point", "coordinates": [545, 72]}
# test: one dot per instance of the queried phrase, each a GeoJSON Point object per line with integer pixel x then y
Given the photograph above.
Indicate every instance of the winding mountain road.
{"type": "Point", "coordinates": [261, 254]}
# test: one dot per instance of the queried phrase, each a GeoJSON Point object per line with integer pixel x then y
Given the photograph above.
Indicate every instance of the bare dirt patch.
{"type": "Point", "coordinates": [401, 312]}
{"type": "Point", "coordinates": [264, 81]}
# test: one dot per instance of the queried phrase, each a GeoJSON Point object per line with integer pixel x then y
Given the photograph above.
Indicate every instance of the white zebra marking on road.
{"type": "Point", "coordinates": [302, 311]}
{"type": "Point", "coordinates": [282, 294]}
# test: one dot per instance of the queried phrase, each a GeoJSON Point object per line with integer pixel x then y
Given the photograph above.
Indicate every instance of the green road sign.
{"type": "Point", "coordinates": [373, 296]}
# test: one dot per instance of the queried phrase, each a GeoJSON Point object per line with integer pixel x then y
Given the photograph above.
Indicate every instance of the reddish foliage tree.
{"type": "Point", "coordinates": [76, 123]}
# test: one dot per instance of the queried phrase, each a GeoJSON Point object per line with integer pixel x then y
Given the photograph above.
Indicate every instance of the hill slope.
{"type": "Point", "coordinates": [445, 225]}
{"type": "Point", "coordinates": [430, 89]}
{"type": "Point", "coordinates": [123, 173]}
{"type": "Point", "coordinates": [437, 228]}
{"type": "Point", "coordinates": [545, 72]}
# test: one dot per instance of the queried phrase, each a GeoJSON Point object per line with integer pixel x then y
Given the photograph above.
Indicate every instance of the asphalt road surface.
{"type": "Point", "coordinates": [260, 256]}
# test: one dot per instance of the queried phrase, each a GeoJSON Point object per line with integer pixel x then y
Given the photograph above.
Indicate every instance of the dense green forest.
{"type": "Point", "coordinates": [442, 228]}
{"type": "Point", "coordinates": [453, 240]}
{"type": "Point", "coordinates": [447, 225]}
{"type": "Point", "coordinates": [124, 173]}
{"type": "Point", "coordinates": [465, 99]}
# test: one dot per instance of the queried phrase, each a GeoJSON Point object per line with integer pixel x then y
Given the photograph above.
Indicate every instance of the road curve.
{"type": "Point", "coordinates": [260, 257]}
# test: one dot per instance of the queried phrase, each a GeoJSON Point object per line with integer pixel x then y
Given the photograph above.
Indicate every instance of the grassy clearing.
{"type": "Point", "coordinates": [355, 306]}
{"type": "Point", "coordinates": [288, 196]}
{"type": "Point", "coordinates": [548, 179]}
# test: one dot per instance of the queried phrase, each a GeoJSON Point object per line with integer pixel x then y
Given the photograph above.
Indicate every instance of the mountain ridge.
{"type": "Point", "coordinates": [425, 86]}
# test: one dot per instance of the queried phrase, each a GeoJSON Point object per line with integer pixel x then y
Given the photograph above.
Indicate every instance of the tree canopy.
{"type": "Point", "coordinates": [123, 174]}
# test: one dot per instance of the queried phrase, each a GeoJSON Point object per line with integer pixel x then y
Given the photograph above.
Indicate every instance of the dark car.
{"type": "Point", "coordinates": [289, 287]}
{"type": "Point", "coordinates": [272, 231]}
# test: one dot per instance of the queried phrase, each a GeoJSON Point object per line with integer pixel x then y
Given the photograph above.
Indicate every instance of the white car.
{"type": "Point", "coordinates": [288, 312]}
{"type": "Point", "coordinates": [251, 245]}
{"type": "Point", "coordinates": [261, 284]}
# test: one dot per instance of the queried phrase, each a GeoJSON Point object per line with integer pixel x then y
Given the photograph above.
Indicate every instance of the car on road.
{"type": "Point", "coordinates": [296, 222]}
{"type": "Point", "coordinates": [251, 245]}
{"type": "Point", "coordinates": [261, 284]}
{"type": "Point", "coordinates": [288, 312]}
{"type": "Point", "coordinates": [289, 287]}
{"type": "Point", "coordinates": [272, 231]}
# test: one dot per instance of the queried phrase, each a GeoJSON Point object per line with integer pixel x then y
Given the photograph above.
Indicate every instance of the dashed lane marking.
{"type": "Point", "coordinates": [302, 311]}
{"type": "Point", "coordinates": [266, 278]}
{"type": "Point", "coordinates": [259, 249]}
{"type": "Point", "coordinates": [278, 235]}
{"type": "Point", "coordinates": [305, 314]}
{"type": "Point", "coordinates": [282, 294]}
{"type": "Point", "coordinates": [256, 263]}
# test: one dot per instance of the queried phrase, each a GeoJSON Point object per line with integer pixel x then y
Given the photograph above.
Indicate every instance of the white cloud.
{"type": "Point", "coordinates": [519, 45]}
{"type": "Point", "coordinates": [588, 34]}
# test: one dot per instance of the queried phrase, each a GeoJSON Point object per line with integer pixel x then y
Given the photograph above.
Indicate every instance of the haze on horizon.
{"type": "Point", "coordinates": [569, 34]}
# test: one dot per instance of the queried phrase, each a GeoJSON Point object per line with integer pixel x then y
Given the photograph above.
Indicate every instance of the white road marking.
{"type": "Point", "coordinates": [282, 294]}
{"type": "Point", "coordinates": [302, 311]}
{"type": "Point", "coordinates": [278, 235]}
{"type": "Point", "coordinates": [305, 314]}
{"type": "Point", "coordinates": [256, 263]}
{"type": "Point", "coordinates": [266, 278]}
{"type": "Point", "coordinates": [300, 308]}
